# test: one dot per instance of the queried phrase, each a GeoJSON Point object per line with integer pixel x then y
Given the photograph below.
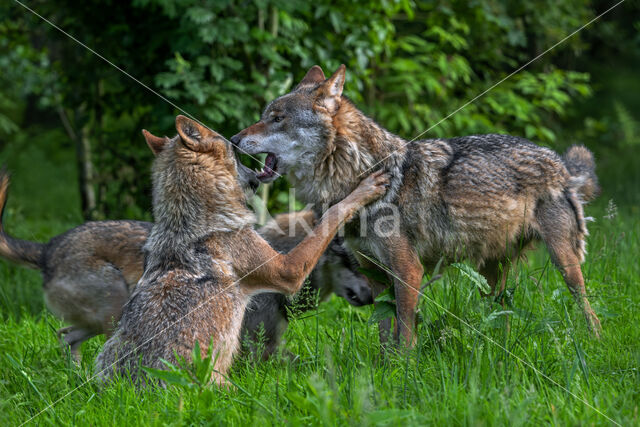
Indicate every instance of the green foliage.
{"type": "Point", "coordinates": [410, 64]}
{"type": "Point", "coordinates": [626, 126]}
{"type": "Point", "coordinates": [196, 373]}
{"type": "Point", "coordinates": [466, 368]}
{"type": "Point", "coordinates": [385, 306]}
{"type": "Point", "coordinates": [478, 280]}
{"type": "Point", "coordinates": [26, 71]}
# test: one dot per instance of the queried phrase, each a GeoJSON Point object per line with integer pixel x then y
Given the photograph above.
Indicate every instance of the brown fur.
{"type": "Point", "coordinates": [204, 260]}
{"type": "Point", "coordinates": [90, 271]}
{"type": "Point", "coordinates": [267, 315]}
{"type": "Point", "coordinates": [476, 197]}
{"type": "Point", "coordinates": [255, 128]}
{"type": "Point", "coordinates": [582, 167]}
{"type": "Point", "coordinates": [21, 251]}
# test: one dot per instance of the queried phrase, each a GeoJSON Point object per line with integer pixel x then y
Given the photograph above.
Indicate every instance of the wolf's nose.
{"type": "Point", "coordinates": [235, 139]}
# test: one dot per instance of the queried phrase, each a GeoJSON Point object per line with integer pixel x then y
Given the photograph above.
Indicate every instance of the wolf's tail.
{"type": "Point", "coordinates": [22, 251]}
{"type": "Point", "coordinates": [582, 167]}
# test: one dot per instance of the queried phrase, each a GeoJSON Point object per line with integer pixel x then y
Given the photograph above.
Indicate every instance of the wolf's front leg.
{"type": "Point", "coordinates": [406, 271]}
{"type": "Point", "coordinates": [286, 273]}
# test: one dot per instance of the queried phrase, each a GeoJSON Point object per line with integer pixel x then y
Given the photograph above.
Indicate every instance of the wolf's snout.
{"type": "Point", "coordinates": [359, 297]}
{"type": "Point", "coordinates": [356, 290]}
{"type": "Point", "coordinates": [235, 139]}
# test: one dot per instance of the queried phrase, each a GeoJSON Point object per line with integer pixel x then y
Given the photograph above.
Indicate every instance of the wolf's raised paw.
{"type": "Point", "coordinates": [372, 187]}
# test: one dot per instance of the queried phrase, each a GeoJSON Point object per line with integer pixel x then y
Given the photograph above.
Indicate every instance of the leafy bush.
{"type": "Point", "coordinates": [410, 64]}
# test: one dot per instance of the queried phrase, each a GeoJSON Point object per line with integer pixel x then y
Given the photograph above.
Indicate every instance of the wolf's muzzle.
{"type": "Point", "coordinates": [235, 139]}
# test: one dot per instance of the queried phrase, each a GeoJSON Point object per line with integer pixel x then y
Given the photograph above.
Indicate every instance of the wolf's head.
{"type": "Point", "coordinates": [337, 271]}
{"type": "Point", "coordinates": [246, 176]}
{"type": "Point", "coordinates": [197, 181]}
{"type": "Point", "coordinates": [343, 271]}
{"type": "Point", "coordinates": [295, 128]}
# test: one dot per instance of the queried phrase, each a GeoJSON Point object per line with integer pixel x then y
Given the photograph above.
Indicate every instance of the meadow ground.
{"type": "Point", "coordinates": [467, 368]}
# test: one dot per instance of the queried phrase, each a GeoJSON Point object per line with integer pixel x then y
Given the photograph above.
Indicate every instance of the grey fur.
{"type": "Point", "coordinates": [204, 260]}
{"type": "Point", "coordinates": [476, 197]}
{"type": "Point", "coordinates": [90, 271]}
{"type": "Point", "coordinates": [336, 272]}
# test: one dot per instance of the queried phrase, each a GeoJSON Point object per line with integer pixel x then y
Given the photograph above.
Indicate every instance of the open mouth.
{"type": "Point", "coordinates": [270, 170]}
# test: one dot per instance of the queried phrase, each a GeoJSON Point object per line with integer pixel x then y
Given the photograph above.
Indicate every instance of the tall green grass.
{"type": "Point", "coordinates": [467, 367]}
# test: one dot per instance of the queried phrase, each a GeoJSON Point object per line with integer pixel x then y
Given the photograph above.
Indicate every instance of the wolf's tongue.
{"type": "Point", "coordinates": [270, 161]}
{"type": "Point", "coordinates": [269, 164]}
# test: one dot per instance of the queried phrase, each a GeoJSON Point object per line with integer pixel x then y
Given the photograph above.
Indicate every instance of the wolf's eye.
{"type": "Point", "coordinates": [278, 119]}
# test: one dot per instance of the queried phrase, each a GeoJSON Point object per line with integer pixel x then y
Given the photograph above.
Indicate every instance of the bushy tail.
{"type": "Point", "coordinates": [582, 167]}
{"type": "Point", "coordinates": [22, 251]}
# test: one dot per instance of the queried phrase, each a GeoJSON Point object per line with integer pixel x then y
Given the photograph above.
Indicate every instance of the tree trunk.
{"type": "Point", "coordinates": [84, 165]}
{"type": "Point", "coordinates": [274, 21]}
{"type": "Point", "coordinates": [85, 173]}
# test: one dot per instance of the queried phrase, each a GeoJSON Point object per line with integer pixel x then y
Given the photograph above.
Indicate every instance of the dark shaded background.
{"type": "Point", "coordinates": [70, 123]}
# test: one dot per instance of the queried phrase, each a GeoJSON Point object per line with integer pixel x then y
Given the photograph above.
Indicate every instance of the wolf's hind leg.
{"type": "Point", "coordinates": [73, 337]}
{"type": "Point", "coordinates": [560, 232]}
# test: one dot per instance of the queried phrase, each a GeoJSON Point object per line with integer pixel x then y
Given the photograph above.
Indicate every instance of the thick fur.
{"type": "Point", "coordinates": [582, 167]}
{"type": "Point", "coordinates": [481, 198]}
{"type": "Point", "coordinates": [336, 271]}
{"type": "Point", "coordinates": [204, 260]}
{"type": "Point", "coordinates": [90, 271]}
{"type": "Point", "coordinates": [88, 274]}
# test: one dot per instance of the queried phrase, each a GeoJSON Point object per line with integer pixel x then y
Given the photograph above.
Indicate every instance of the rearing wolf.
{"type": "Point", "coordinates": [482, 198]}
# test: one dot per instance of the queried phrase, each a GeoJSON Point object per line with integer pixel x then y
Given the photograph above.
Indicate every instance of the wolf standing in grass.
{"type": "Point", "coordinates": [481, 198]}
{"type": "Point", "coordinates": [336, 271]}
{"type": "Point", "coordinates": [204, 259]}
{"type": "Point", "coordinates": [89, 271]}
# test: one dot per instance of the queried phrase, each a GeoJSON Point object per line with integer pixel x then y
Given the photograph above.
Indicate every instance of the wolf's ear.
{"type": "Point", "coordinates": [314, 76]}
{"type": "Point", "coordinates": [154, 142]}
{"type": "Point", "coordinates": [331, 91]}
{"type": "Point", "coordinates": [195, 136]}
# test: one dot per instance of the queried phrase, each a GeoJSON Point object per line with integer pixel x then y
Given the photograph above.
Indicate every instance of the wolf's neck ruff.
{"type": "Point", "coordinates": [189, 206]}
{"type": "Point", "coordinates": [354, 144]}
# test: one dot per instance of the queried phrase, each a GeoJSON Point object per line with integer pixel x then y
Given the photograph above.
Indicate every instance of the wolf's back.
{"type": "Point", "coordinates": [582, 167]}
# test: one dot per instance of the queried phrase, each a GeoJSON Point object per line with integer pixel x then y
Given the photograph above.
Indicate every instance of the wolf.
{"type": "Point", "coordinates": [90, 271]}
{"type": "Point", "coordinates": [204, 260]}
{"type": "Point", "coordinates": [337, 271]}
{"type": "Point", "coordinates": [483, 198]}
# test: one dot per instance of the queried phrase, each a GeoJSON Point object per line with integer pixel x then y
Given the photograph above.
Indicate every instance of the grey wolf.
{"type": "Point", "coordinates": [336, 271]}
{"type": "Point", "coordinates": [483, 198]}
{"type": "Point", "coordinates": [90, 271]}
{"type": "Point", "coordinates": [204, 260]}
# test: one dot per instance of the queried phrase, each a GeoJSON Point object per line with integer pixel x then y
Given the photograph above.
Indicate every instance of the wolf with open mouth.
{"type": "Point", "coordinates": [483, 198]}
{"type": "Point", "coordinates": [204, 260]}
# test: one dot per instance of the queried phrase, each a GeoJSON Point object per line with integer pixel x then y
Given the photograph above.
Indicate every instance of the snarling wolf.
{"type": "Point", "coordinates": [90, 271]}
{"type": "Point", "coordinates": [482, 198]}
{"type": "Point", "coordinates": [204, 260]}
